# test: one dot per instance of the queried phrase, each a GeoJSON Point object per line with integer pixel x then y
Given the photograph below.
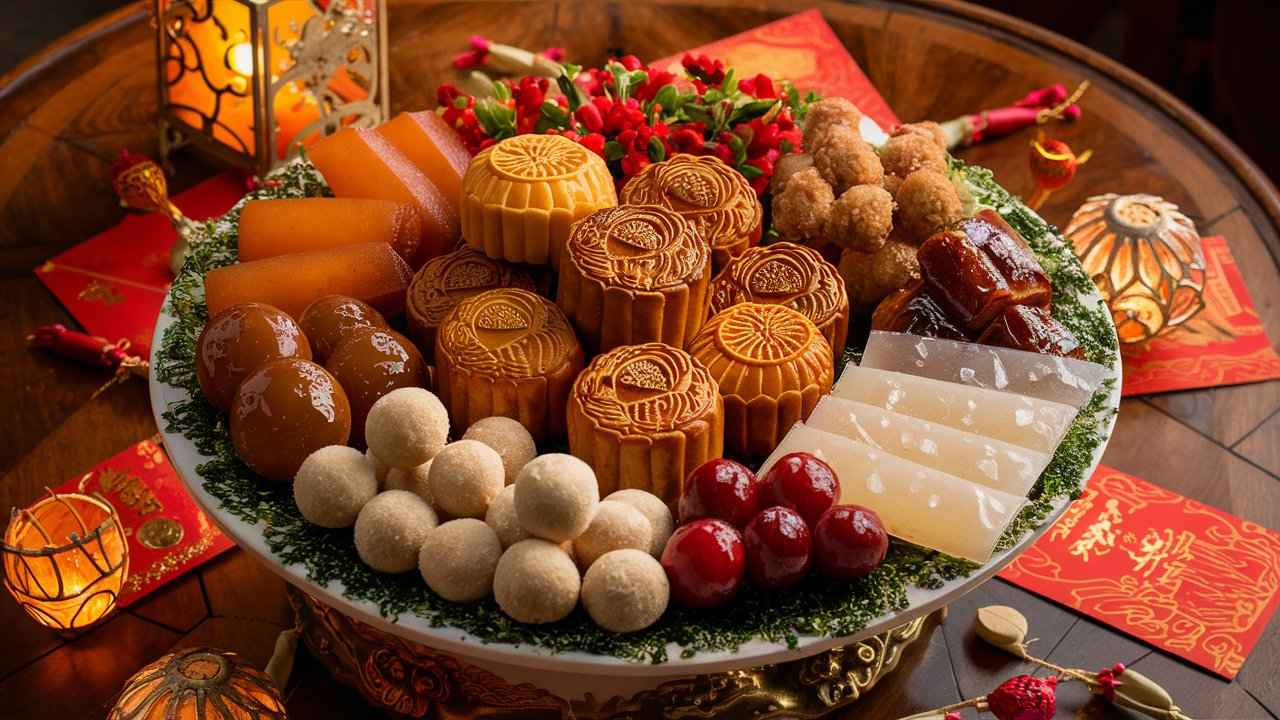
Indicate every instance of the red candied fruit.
{"type": "Point", "coordinates": [802, 482]}
{"type": "Point", "coordinates": [779, 548]}
{"type": "Point", "coordinates": [849, 541]}
{"type": "Point", "coordinates": [705, 562]}
{"type": "Point", "coordinates": [723, 489]}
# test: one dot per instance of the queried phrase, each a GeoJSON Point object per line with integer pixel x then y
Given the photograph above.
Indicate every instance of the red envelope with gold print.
{"type": "Point", "coordinates": [1180, 575]}
{"type": "Point", "coordinates": [801, 48]}
{"type": "Point", "coordinates": [168, 535]}
{"type": "Point", "coordinates": [1225, 344]}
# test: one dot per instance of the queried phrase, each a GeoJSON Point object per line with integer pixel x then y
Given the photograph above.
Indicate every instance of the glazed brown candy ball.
{"type": "Point", "coordinates": [284, 411]}
{"type": "Point", "coordinates": [370, 363]}
{"type": "Point", "coordinates": [331, 319]}
{"type": "Point", "coordinates": [239, 339]}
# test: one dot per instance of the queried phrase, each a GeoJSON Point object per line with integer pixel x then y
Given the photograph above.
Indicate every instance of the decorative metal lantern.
{"type": "Point", "coordinates": [65, 559]}
{"type": "Point", "coordinates": [1146, 259]}
{"type": "Point", "coordinates": [199, 683]}
{"type": "Point", "coordinates": [253, 81]}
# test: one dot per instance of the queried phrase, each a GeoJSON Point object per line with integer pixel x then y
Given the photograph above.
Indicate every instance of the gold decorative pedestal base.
{"type": "Point", "coordinates": [416, 681]}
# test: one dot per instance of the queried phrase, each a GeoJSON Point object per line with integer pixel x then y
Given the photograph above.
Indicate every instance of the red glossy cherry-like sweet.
{"type": "Point", "coordinates": [705, 562]}
{"type": "Point", "coordinates": [849, 541]}
{"type": "Point", "coordinates": [802, 482]}
{"type": "Point", "coordinates": [779, 548]}
{"type": "Point", "coordinates": [720, 488]}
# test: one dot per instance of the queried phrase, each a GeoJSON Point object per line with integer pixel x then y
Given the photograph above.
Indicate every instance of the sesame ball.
{"type": "Point", "coordinates": [615, 526]}
{"type": "Point", "coordinates": [509, 438]}
{"type": "Point", "coordinates": [788, 165]}
{"type": "Point", "coordinates": [625, 590]}
{"type": "Point", "coordinates": [927, 202]}
{"type": "Point", "coordinates": [391, 529]}
{"type": "Point", "coordinates": [828, 113]}
{"type": "Point", "coordinates": [502, 518]}
{"type": "Point", "coordinates": [415, 480]}
{"type": "Point", "coordinates": [458, 559]}
{"type": "Point", "coordinates": [800, 211]}
{"type": "Point", "coordinates": [465, 477]}
{"type": "Point", "coordinates": [332, 484]}
{"type": "Point", "coordinates": [536, 582]}
{"type": "Point", "coordinates": [905, 154]}
{"type": "Point", "coordinates": [844, 159]}
{"type": "Point", "coordinates": [407, 427]}
{"type": "Point", "coordinates": [556, 495]}
{"type": "Point", "coordinates": [655, 511]}
{"type": "Point", "coordinates": [861, 218]}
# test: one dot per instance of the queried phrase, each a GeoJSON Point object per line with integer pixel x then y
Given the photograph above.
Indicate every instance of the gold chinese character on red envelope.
{"type": "Point", "coordinates": [1172, 572]}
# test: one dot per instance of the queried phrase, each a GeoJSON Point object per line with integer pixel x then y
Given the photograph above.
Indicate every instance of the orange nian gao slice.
{"type": "Point", "coordinates": [634, 274]}
{"type": "Point", "coordinates": [279, 227]}
{"type": "Point", "coordinates": [428, 141]}
{"type": "Point", "coordinates": [771, 364]}
{"type": "Point", "coordinates": [447, 280]}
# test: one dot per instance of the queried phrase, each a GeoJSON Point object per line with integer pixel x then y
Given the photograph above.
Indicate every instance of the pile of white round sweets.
{"type": "Point", "coordinates": [486, 515]}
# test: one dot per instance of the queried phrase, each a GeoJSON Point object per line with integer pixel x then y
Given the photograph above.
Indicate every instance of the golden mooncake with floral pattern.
{"type": "Point", "coordinates": [521, 195]}
{"type": "Point", "coordinates": [644, 416]}
{"type": "Point", "coordinates": [507, 352]}
{"type": "Point", "coordinates": [633, 274]}
{"type": "Point", "coordinates": [788, 274]}
{"type": "Point", "coordinates": [717, 199]}
{"type": "Point", "coordinates": [449, 279]}
{"type": "Point", "coordinates": [771, 364]}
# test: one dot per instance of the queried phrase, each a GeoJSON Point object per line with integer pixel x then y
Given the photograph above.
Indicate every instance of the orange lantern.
{"type": "Point", "coordinates": [253, 81]}
{"type": "Point", "coordinates": [1146, 259]}
{"type": "Point", "coordinates": [65, 559]}
{"type": "Point", "coordinates": [199, 683]}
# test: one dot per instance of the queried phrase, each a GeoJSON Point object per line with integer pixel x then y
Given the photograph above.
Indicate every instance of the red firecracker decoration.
{"type": "Point", "coordinates": [90, 350]}
{"type": "Point", "coordinates": [1035, 108]}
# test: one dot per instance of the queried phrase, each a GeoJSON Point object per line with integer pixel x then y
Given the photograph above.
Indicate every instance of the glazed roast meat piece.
{"type": "Point", "coordinates": [1033, 329]}
{"type": "Point", "coordinates": [1011, 256]}
{"type": "Point", "coordinates": [910, 310]}
{"type": "Point", "coordinates": [963, 280]}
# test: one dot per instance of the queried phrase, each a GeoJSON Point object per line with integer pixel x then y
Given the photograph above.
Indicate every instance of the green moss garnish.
{"type": "Point", "coordinates": [816, 607]}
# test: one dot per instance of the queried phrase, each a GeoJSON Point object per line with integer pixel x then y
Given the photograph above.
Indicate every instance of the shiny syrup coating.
{"type": "Point", "coordinates": [331, 319]}
{"type": "Point", "coordinates": [370, 363]}
{"type": "Point", "coordinates": [237, 340]}
{"type": "Point", "coordinates": [285, 410]}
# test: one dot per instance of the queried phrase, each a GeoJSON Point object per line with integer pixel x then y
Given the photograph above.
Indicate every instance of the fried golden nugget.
{"type": "Point", "coordinates": [844, 159]}
{"type": "Point", "coordinates": [861, 218]}
{"type": "Point", "coordinates": [828, 113]}
{"type": "Point", "coordinates": [800, 212]}
{"type": "Point", "coordinates": [905, 154]}
{"type": "Point", "coordinates": [928, 128]}
{"type": "Point", "coordinates": [871, 277]}
{"type": "Point", "coordinates": [927, 202]}
{"type": "Point", "coordinates": [787, 166]}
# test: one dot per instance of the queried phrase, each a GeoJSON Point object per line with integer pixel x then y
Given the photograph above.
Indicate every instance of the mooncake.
{"type": "Point", "coordinates": [446, 280]}
{"type": "Point", "coordinates": [771, 364]}
{"type": "Point", "coordinates": [634, 274]}
{"type": "Point", "coordinates": [283, 226]}
{"type": "Point", "coordinates": [788, 274]}
{"type": "Point", "coordinates": [521, 195]}
{"type": "Point", "coordinates": [644, 416]}
{"type": "Point", "coordinates": [717, 199]}
{"type": "Point", "coordinates": [507, 352]}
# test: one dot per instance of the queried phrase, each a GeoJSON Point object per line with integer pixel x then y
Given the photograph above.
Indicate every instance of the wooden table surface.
{"type": "Point", "coordinates": [67, 111]}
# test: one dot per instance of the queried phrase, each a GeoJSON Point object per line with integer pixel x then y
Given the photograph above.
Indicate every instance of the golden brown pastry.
{"type": "Point", "coordinates": [446, 280]}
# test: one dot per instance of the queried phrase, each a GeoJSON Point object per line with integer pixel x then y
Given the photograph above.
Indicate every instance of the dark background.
{"type": "Point", "coordinates": [1218, 57]}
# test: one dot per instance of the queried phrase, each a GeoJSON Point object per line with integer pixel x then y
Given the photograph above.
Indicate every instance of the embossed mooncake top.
{"type": "Point", "coordinates": [713, 196]}
{"type": "Point", "coordinates": [507, 332]}
{"type": "Point", "coordinates": [538, 157]}
{"type": "Point", "coordinates": [566, 174]}
{"type": "Point", "coordinates": [641, 247]}
{"type": "Point", "coordinates": [448, 279]}
{"type": "Point", "coordinates": [782, 273]}
{"type": "Point", "coordinates": [759, 334]}
{"type": "Point", "coordinates": [648, 388]}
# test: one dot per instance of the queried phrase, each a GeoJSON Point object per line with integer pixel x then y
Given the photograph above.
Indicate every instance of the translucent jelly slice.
{"type": "Point", "coordinates": [428, 141]}
{"type": "Point", "coordinates": [360, 163]}
{"type": "Point", "coordinates": [1057, 379]}
{"type": "Point", "coordinates": [986, 461]}
{"type": "Point", "coordinates": [1024, 421]}
{"type": "Point", "coordinates": [279, 227]}
{"type": "Point", "coordinates": [916, 503]}
{"type": "Point", "coordinates": [371, 272]}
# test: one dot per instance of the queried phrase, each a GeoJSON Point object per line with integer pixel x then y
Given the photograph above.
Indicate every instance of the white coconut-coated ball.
{"type": "Point", "coordinates": [391, 529]}
{"type": "Point", "coordinates": [508, 438]}
{"type": "Point", "coordinates": [407, 427]}
{"type": "Point", "coordinates": [536, 582]}
{"type": "Point", "coordinates": [556, 495]}
{"type": "Point", "coordinates": [502, 518]}
{"type": "Point", "coordinates": [614, 526]}
{"type": "Point", "coordinates": [415, 480]}
{"type": "Point", "coordinates": [379, 468]}
{"type": "Point", "coordinates": [465, 477]}
{"type": "Point", "coordinates": [333, 484]}
{"type": "Point", "coordinates": [458, 560]}
{"type": "Point", "coordinates": [656, 511]}
{"type": "Point", "coordinates": [625, 590]}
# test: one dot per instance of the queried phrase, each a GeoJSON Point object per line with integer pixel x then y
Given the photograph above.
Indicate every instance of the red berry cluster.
{"type": "Point", "coordinates": [770, 530]}
{"type": "Point", "coordinates": [632, 115]}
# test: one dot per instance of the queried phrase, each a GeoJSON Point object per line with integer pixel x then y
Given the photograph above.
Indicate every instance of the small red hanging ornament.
{"type": "Point", "coordinates": [90, 350]}
{"type": "Point", "coordinates": [141, 185]}
{"type": "Point", "coordinates": [1053, 165]}
{"type": "Point", "coordinates": [1024, 697]}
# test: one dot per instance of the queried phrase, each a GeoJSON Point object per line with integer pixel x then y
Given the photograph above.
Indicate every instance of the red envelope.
{"type": "Point", "coordinates": [114, 283]}
{"type": "Point", "coordinates": [1177, 574]}
{"type": "Point", "coordinates": [1225, 344]}
{"type": "Point", "coordinates": [803, 49]}
{"type": "Point", "coordinates": [168, 535]}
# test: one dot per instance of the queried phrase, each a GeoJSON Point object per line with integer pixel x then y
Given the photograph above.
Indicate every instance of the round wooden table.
{"type": "Point", "coordinates": [66, 112]}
